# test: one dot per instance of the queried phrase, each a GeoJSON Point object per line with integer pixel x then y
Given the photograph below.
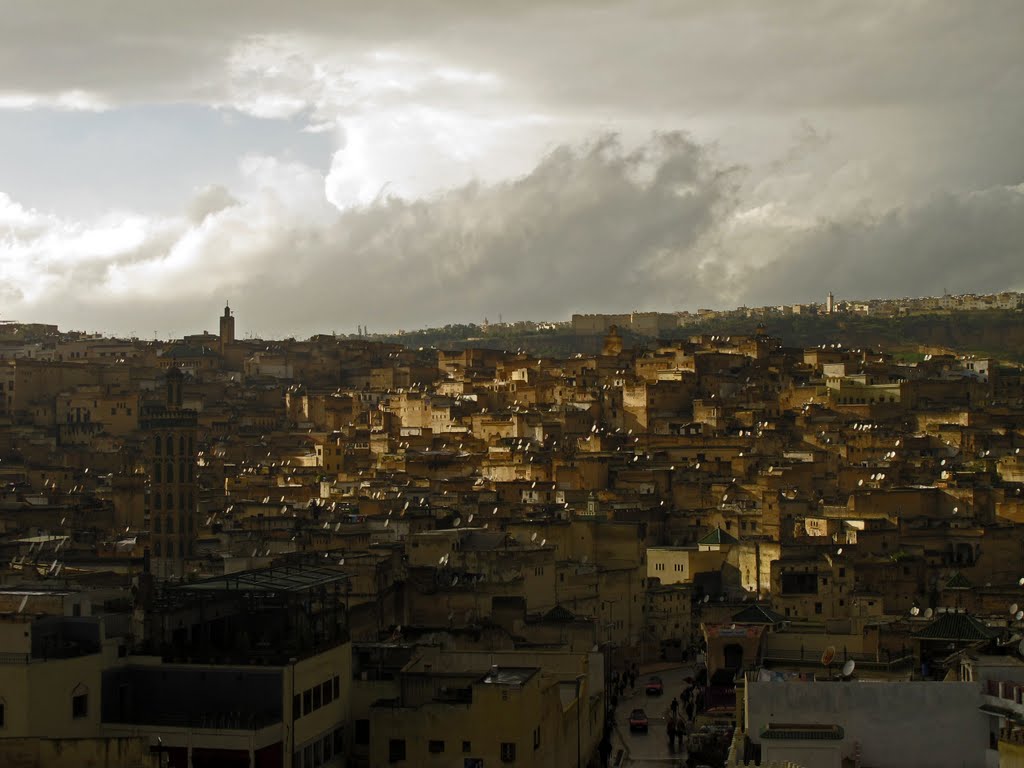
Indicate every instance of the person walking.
{"type": "Point", "coordinates": [670, 725]}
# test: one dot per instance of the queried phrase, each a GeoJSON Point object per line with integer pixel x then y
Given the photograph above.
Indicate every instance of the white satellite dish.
{"type": "Point", "coordinates": [470, 519]}
{"type": "Point", "coordinates": [706, 598]}
{"type": "Point", "coordinates": [543, 542]}
{"type": "Point", "coordinates": [1018, 615]}
{"type": "Point", "coordinates": [914, 611]}
{"type": "Point", "coordinates": [440, 560]}
{"type": "Point", "coordinates": [839, 551]}
{"type": "Point", "coordinates": [533, 536]}
{"type": "Point", "coordinates": [848, 668]}
{"type": "Point", "coordinates": [457, 522]}
{"type": "Point", "coordinates": [928, 613]}
{"type": "Point", "coordinates": [1020, 648]}
{"type": "Point", "coordinates": [24, 602]}
{"type": "Point", "coordinates": [1013, 608]}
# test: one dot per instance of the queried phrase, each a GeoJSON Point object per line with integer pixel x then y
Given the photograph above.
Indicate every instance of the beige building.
{"type": "Point", "coordinates": [484, 709]}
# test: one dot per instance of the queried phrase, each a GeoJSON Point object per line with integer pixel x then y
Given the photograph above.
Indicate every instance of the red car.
{"type": "Point", "coordinates": [654, 687]}
{"type": "Point", "coordinates": [638, 720]}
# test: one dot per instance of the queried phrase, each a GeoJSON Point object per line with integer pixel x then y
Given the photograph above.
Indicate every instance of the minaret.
{"type": "Point", "coordinates": [227, 329]}
{"type": "Point", "coordinates": [830, 304]}
{"type": "Point", "coordinates": [171, 456]}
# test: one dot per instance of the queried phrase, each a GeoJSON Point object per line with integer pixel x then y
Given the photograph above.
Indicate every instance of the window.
{"type": "Point", "coordinates": [80, 705]}
{"type": "Point", "coordinates": [339, 740]}
{"type": "Point", "coordinates": [508, 752]}
{"type": "Point", "coordinates": [317, 697]}
{"type": "Point", "coordinates": [337, 687]}
{"type": "Point", "coordinates": [2, 714]}
{"type": "Point", "coordinates": [396, 750]}
{"type": "Point", "coordinates": [296, 707]}
{"type": "Point", "coordinates": [467, 747]}
{"type": "Point", "coordinates": [435, 746]}
{"type": "Point", "coordinates": [327, 691]}
{"type": "Point", "coordinates": [842, 572]}
{"type": "Point", "coordinates": [536, 737]}
{"type": "Point", "coordinates": [817, 607]}
{"type": "Point", "coordinates": [307, 701]}
{"type": "Point", "coordinates": [362, 731]}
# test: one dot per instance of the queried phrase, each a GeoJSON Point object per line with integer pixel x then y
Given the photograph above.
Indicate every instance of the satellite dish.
{"type": "Point", "coordinates": [457, 522]}
{"type": "Point", "coordinates": [914, 611]}
{"type": "Point", "coordinates": [1013, 608]}
{"type": "Point", "coordinates": [1018, 615]}
{"type": "Point", "coordinates": [828, 655]}
{"type": "Point", "coordinates": [455, 580]}
{"type": "Point", "coordinates": [848, 668]}
{"type": "Point", "coordinates": [440, 560]}
{"type": "Point", "coordinates": [387, 522]}
{"type": "Point", "coordinates": [839, 551]}
{"type": "Point", "coordinates": [533, 536]}
{"type": "Point", "coordinates": [928, 613]}
{"type": "Point", "coordinates": [470, 519]}
{"type": "Point", "coordinates": [543, 542]}
{"type": "Point", "coordinates": [706, 598]}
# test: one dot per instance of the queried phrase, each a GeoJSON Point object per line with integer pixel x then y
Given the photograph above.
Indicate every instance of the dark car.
{"type": "Point", "coordinates": [638, 720]}
{"type": "Point", "coordinates": [654, 687]}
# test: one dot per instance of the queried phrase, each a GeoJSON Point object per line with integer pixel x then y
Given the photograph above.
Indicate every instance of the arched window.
{"type": "Point", "coordinates": [158, 550]}
{"type": "Point", "coordinates": [170, 549]}
{"type": "Point", "coordinates": [181, 445]}
{"type": "Point", "coordinates": [181, 501]}
{"type": "Point", "coordinates": [170, 445]}
{"type": "Point", "coordinates": [170, 471]}
{"type": "Point", "coordinates": [158, 501]}
{"type": "Point", "coordinates": [182, 472]}
{"type": "Point", "coordinates": [157, 472]}
{"type": "Point", "coordinates": [158, 445]}
{"type": "Point", "coordinates": [156, 524]}
{"type": "Point", "coordinates": [170, 523]}
{"type": "Point", "coordinates": [169, 500]}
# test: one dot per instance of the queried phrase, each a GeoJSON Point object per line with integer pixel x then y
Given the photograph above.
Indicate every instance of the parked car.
{"type": "Point", "coordinates": [638, 720]}
{"type": "Point", "coordinates": [654, 687]}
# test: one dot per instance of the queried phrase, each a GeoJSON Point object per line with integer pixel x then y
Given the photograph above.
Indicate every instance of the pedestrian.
{"type": "Point", "coordinates": [670, 724]}
{"type": "Point", "coordinates": [674, 706]}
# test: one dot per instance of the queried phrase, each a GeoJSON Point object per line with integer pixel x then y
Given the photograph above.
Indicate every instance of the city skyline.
{"type": "Point", "coordinates": [341, 165]}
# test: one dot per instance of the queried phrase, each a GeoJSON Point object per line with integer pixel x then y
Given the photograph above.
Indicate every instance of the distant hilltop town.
{"type": "Point", "coordinates": [658, 323]}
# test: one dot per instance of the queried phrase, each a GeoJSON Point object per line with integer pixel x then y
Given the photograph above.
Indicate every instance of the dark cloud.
{"type": "Point", "coordinates": [969, 242]}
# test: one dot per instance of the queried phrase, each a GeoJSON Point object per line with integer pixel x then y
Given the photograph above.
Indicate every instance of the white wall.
{"type": "Point", "coordinates": [897, 725]}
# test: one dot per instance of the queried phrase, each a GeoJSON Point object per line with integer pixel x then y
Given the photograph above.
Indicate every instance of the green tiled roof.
{"type": "Point", "coordinates": [757, 614]}
{"type": "Point", "coordinates": [718, 536]}
{"type": "Point", "coordinates": [560, 615]}
{"type": "Point", "coordinates": [958, 581]}
{"type": "Point", "coordinates": [955, 626]}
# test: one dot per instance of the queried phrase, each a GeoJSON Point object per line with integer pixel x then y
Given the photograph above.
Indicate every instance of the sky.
{"type": "Point", "coordinates": [328, 164]}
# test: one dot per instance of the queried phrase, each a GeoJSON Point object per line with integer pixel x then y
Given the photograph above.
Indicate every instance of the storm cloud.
{"type": "Point", "coordinates": [530, 159]}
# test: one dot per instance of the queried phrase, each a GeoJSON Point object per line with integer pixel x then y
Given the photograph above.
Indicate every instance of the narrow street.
{"type": "Point", "coordinates": [650, 748]}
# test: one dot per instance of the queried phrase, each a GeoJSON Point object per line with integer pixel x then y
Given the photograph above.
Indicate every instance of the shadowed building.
{"type": "Point", "coordinates": [171, 456]}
